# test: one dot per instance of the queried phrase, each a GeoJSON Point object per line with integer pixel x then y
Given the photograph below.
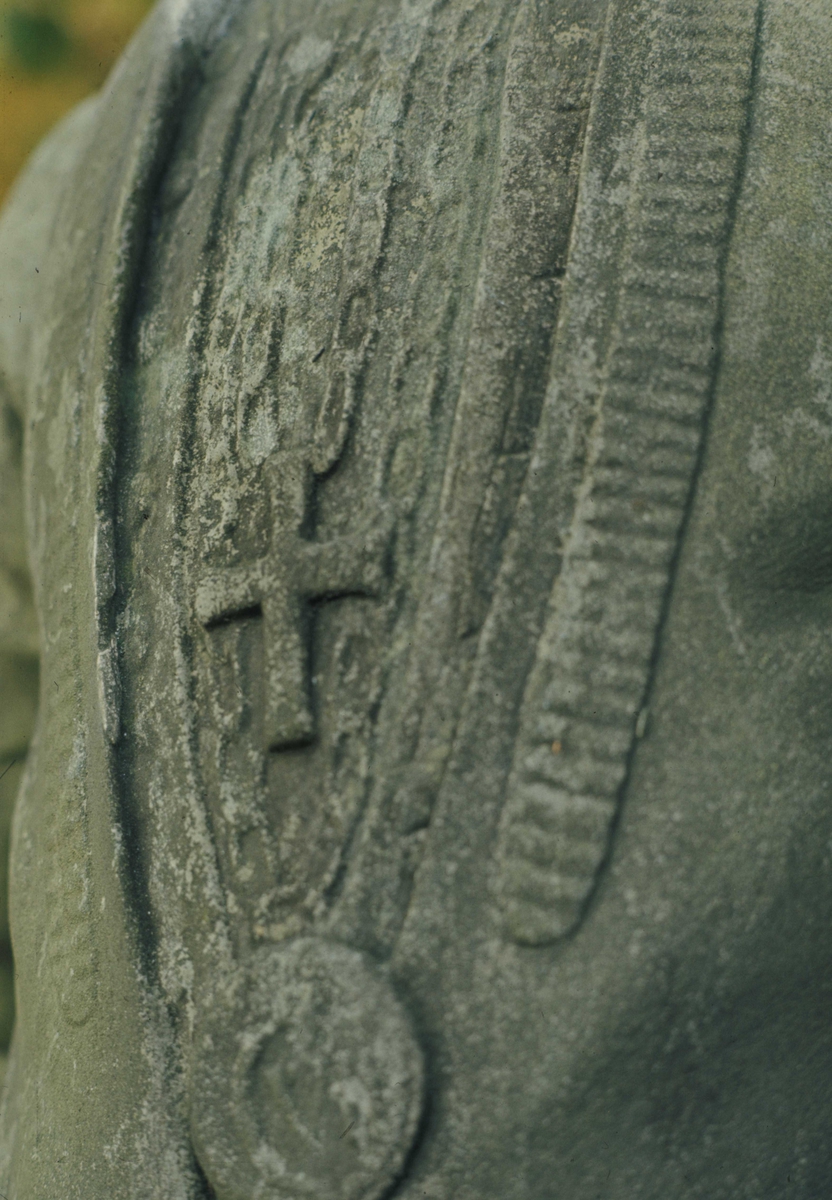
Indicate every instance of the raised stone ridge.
{"type": "Point", "coordinates": [586, 695]}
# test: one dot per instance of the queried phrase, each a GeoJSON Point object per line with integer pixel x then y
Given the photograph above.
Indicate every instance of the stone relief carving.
{"type": "Point", "coordinates": [398, 437]}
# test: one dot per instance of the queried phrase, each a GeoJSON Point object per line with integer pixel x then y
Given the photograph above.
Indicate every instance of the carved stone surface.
{"type": "Point", "coordinates": [279, 586]}
{"type": "Point", "coordinates": [325, 1087]}
{"type": "Point", "coordinates": [427, 457]}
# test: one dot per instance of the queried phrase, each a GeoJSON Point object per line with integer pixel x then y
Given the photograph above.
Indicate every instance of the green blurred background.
{"type": "Point", "coordinates": [52, 54]}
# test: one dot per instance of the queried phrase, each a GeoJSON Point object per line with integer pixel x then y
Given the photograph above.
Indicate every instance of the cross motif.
{"type": "Point", "coordinates": [293, 572]}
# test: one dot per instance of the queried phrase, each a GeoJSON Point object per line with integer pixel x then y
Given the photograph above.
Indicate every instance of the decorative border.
{"type": "Point", "coordinates": [585, 696]}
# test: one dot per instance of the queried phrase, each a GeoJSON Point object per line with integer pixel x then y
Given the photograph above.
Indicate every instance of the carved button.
{"type": "Point", "coordinates": [308, 1081]}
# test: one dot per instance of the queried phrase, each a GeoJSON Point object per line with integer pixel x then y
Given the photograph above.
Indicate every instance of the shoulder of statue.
{"type": "Point", "coordinates": [26, 230]}
{"type": "Point", "coordinates": [27, 226]}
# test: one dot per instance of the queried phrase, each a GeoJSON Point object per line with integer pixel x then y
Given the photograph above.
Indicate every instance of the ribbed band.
{"type": "Point", "coordinates": [589, 681]}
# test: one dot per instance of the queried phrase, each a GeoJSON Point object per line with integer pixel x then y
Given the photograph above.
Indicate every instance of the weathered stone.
{"type": "Point", "coordinates": [504, 325]}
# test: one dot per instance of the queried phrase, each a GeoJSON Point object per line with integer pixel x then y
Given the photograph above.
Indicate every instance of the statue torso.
{"type": "Point", "coordinates": [391, 561]}
{"type": "Point", "coordinates": [337, 364]}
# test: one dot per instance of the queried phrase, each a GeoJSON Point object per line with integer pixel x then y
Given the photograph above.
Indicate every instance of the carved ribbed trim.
{"type": "Point", "coordinates": [591, 673]}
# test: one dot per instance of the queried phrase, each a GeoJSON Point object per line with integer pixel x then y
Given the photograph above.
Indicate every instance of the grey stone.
{"type": "Point", "coordinates": [424, 411]}
{"type": "Point", "coordinates": [326, 1087]}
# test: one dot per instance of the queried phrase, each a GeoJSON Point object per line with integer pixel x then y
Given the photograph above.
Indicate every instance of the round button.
{"type": "Point", "coordinates": [307, 1079]}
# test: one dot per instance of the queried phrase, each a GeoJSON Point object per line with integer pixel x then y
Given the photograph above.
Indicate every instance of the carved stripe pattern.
{"type": "Point", "coordinates": [548, 76]}
{"type": "Point", "coordinates": [589, 681]}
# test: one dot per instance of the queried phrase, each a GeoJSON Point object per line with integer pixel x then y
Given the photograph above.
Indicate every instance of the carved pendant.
{"type": "Point", "coordinates": [307, 1078]}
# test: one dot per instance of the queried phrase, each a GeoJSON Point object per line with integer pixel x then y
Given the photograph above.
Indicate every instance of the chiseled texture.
{"type": "Point", "coordinates": [426, 423]}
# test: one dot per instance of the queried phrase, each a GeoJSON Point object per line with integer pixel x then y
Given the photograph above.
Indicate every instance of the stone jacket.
{"type": "Point", "coordinates": [607, 943]}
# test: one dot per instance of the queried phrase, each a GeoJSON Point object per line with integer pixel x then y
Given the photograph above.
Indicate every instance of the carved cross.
{"type": "Point", "coordinates": [292, 573]}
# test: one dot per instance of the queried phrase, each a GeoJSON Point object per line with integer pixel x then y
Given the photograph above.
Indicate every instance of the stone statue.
{"type": "Point", "coordinates": [426, 424]}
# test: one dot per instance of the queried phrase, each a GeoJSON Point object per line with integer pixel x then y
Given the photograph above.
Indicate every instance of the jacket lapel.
{"type": "Point", "coordinates": [83, 979]}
